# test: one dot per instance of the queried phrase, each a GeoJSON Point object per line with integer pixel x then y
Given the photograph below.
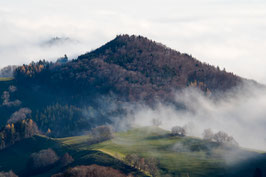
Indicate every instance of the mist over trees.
{"type": "Point", "coordinates": [62, 97]}
{"type": "Point", "coordinates": [101, 133]}
{"type": "Point", "coordinates": [208, 134]}
{"type": "Point", "coordinates": [178, 131]}
{"type": "Point", "coordinates": [156, 122]}
{"type": "Point", "coordinates": [8, 71]}
{"type": "Point", "coordinates": [133, 68]}
{"type": "Point", "coordinates": [219, 137]}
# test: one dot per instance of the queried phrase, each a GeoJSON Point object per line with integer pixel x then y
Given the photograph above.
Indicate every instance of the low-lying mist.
{"type": "Point", "coordinates": [240, 112]}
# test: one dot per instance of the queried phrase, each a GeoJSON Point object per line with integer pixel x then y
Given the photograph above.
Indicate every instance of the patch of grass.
{"type": "Point", "coordinates": [74, 140]}
{"type": "Point", "coordinates": [6, 79]}
{"type": "Point", "coordinates": [146, 143]}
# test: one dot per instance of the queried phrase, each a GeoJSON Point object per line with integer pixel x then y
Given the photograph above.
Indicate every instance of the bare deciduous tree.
{"type": "Point", "coordinates": [21, 114]}
{"type": "Point", "coordinates": [178, 131]}
{"type": "Point", "coordinates": [43, 159]}
{"type": "Point", "coordinates": [8, 174]}
{"type": "Point", "coordinates": [208, 135]}
{"type": "Point", "coordinates": [66, 159]}
{"type": "Point", "coordinates": [91, 171]}
{"type": "Point", "coordinates": [223, 138]}
{"type": "Point", "coordinates": [102, 133]}
{"type": "Point", "coordinates": [146, 164]}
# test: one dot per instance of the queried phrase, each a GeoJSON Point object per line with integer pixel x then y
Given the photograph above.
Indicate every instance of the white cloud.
{"type": "Point", "coordinates": [221, 32]}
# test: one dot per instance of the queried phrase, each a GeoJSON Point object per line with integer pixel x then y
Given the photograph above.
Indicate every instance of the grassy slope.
{"type": "Point", "coordinates": [15, 157]}
{"type": "Point", "coordinates": [155, 142]}
{"type": "Point", "coordinates": [6, 79]}
{"type": "Point", "coordinates": [145, 142]}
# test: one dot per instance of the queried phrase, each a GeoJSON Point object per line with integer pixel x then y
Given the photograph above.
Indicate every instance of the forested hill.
{"type": "Point", "coordinates": [68, 97]}
{"type": "Point", "coordinates": [132, 67]}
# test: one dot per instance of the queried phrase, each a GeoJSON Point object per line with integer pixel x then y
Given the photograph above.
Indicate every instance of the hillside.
{"type": "Point", "coordinates": [176, 156]}
{"type": "Point", "coordinates": [17, 157]}
{"type": "Point", "coordinates": [132, 67]}
{"type": "Point", "coordinates": [69, 97]}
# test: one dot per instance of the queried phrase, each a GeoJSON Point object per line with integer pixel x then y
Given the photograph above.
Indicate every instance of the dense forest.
{"type": "Point", "coordinates": [133, 67]}
{"type": "Point", "coordinates": [79, 94]}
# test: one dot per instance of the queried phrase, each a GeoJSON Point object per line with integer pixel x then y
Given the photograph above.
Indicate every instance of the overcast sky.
{"type": "Point", "coordinates": [219, 32]}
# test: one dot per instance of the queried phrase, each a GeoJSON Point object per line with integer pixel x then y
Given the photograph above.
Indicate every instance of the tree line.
{"type": "Point", "coordinates": [14, 132]}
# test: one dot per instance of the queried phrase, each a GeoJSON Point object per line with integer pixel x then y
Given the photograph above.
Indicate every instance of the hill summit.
{"type": "Point", "coordinates": [82, 93]}
{"type": "Point", "coordinates": [134, 68]}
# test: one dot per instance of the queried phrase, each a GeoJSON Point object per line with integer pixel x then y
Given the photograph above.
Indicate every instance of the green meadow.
{"type": "Point", "coordinates": [6, 78]}
{"type": "Point", "coordinates": [177, 156]}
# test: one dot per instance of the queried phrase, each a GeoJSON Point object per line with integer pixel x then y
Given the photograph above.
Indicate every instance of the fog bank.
{"type": "Point", "coordinates": [240, 112]}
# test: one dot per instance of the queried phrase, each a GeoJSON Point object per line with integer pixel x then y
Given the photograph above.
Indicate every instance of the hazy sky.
{"type": "Point", "coordinates": [220, 32]}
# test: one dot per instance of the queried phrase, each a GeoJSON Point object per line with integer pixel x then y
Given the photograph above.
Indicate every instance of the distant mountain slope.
{"type": "Point", "coordinates": [132, 67]}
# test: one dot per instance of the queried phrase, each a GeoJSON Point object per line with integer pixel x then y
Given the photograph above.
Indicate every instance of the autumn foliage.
{"type": "Point", "coordinates": [43, 159]}
{"type": "Point", "coordinates": [132, 67]}
{"type": "Point", "coordinates": [8, 174]}
{"type": "Point", "coordinates": [14, 132]}
{"type": "Point", "coordinates": [91, 171]}
{"type": "Point", "coordinates": [149, 165]}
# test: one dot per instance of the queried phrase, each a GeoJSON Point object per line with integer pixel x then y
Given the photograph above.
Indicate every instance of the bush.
{"type": "Point", "coordinates": [8, 174]}
{"type": "Point", "coordinates": [102, 133]}
{"type": "Point", "coordinates": [66, 159]}
{"type": "Point", "coordinates": [208, 135]}
{"type": "Point", "coordinates": [219, 137]}
{"type": "Point", "coordinates": [43, 159]}
{"type": "Point", "coordinates": [90, 171]}
{"type": "Point", "coordinates": [147, 164]}
{"type": "Point", "coordinates": [178, 131]}
{"type": "Point", "coordinates": [223, 138]}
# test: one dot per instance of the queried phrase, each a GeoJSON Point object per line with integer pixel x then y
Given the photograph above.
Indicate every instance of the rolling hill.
{"type": "Point", "coordinates": [177, 156]}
